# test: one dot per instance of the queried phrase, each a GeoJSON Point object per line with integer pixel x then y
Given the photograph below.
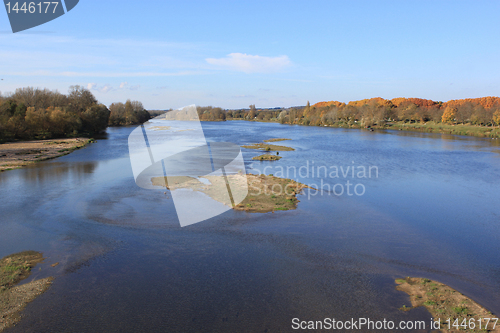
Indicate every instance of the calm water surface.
{"type": "Point", "coordinates": [432, 210]}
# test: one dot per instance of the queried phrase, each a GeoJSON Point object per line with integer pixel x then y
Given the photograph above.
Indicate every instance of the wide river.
{"type": "Point", "coordinates": [430, 208]}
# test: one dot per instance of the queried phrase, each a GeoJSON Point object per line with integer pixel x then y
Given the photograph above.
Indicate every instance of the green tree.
{"type": "Point", "coordinates": [252, 114]}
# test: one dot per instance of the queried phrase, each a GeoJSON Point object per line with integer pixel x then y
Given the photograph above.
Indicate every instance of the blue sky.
{"type": "Point", "coordinates": [168, 54]}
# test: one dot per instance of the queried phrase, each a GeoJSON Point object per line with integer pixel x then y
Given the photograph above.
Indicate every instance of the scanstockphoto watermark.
{"type": "Point", "coordinates": [335, 180]}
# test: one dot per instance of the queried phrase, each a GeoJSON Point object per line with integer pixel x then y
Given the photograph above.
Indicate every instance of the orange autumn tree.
{"type": "Point", "coordinates": [486, 102]}
{"type": "Point", "coordinates": [330, 103]}
{"type": "Point", "coordinates": [449, 114]}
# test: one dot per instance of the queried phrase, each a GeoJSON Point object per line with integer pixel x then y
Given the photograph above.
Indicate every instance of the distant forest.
{"type": "Point", "coordinates": [33, 113]}
{"type": "Point", "coordinates": [377, 111]}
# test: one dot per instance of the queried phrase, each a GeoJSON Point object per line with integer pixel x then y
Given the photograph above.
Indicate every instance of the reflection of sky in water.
{"type": "Point", "coordinates": [432, 212]}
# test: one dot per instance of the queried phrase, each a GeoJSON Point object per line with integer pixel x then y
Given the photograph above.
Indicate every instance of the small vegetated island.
{"type": "Point", "coordinates": [451, 309]}
{"type": "Point", "coordinates": [266, 193]}
{"type": "Point", "coordinates": [13, 269]}
{"type": "Point", "coordinates": [269, 148]}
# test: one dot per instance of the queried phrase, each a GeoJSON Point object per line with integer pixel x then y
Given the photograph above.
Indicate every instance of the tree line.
{"type": "Point", "coordinates": [130, 113]}
{"type": "Point", "coordinates": [34, 113]}
{"type": "Point", "coordinates": [377, 111]}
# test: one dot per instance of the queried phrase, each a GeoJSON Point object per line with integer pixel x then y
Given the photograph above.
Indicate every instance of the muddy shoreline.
{"type": "Point", "coordinates": [15, 155]}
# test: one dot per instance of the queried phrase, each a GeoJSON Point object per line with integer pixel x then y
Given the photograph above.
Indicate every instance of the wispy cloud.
{"type": "Point", "coordinates": [251, 63]}
{"type": "Point", "coordinates": [243, 96]}
{"type": "Point", "coordinates": [80, 57]}
{"type": "Point", "coordinates": [104, 74]}
{"type": "Point", "coordinates": [104, 89]}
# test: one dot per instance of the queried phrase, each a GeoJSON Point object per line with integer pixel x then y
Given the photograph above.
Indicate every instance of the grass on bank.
{"type": "Point", "coordinates": [432, 127]}
{"type": "Point", "coordinates": [17, 267]}
{"type": "Point", "coordinates": [459, 129]}
{"type": "Point", "coordinates": [13, 269]}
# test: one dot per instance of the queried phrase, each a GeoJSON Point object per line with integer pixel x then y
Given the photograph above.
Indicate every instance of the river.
{"type": "Point", "coordinates": [430, 208]}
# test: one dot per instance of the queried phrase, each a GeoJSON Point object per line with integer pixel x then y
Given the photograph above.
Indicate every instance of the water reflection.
{"type": "Point", "coordinates": [55, 171]}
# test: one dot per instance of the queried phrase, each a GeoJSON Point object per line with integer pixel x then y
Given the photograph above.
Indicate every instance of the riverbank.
{"type": "Point", "coordinates": [13, 269]}
{"type": "Point", "coordinates": [428, 127]}
{"type": "Point", "coordinates": [14, 155]}
{"type": "Point", "coordinates": [432, 127]}
{"type": "Point", "coordinates": [453, 310]}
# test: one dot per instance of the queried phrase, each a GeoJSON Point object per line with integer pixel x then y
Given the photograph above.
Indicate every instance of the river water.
{"type": "Point", "coordinates": [429, 208]}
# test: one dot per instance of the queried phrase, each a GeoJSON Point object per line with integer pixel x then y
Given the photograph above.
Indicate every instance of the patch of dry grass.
{"type": "Point", "coordinates": [277, 139]}
{"type": "Point", "coordinates": [446, 303]}
{"type": "Point", "coordinates": [268, 147]}
{"type": "Point", "coordinates": [266, 157]}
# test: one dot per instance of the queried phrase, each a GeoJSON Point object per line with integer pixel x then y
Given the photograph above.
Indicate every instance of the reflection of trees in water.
{"type": "Point", "coordinates": [56, 171]}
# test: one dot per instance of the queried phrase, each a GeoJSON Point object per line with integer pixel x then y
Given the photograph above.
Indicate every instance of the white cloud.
{"type": "Point", "coordinates": [123, 84]}
{"type": "Point", "coordinates": [251, 63]}
{"type": "Point", "coordinates": [103, 89]}
{"type": "Point", "coordinates": [106, 88]}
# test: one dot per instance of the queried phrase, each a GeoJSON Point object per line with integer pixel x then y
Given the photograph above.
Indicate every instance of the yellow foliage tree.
{"type": "Point", "coordinates": [449, 114]}
{"type": "Point", "coordinates": [496, 117]}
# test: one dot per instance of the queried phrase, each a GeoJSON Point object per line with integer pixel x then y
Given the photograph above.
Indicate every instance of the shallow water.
{"type": "Point", "coordinates": [431, 210]}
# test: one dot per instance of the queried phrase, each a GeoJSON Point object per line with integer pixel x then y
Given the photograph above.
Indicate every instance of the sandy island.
{"type": "Point", "coordinates": [14, 155]}
{"type": "Point", "coordinates": [268, 147]}
{"type": "Point", "coordinates": [13, 269]}
{"type": "Point", "coordinates": [266, 193]}
{"type": "Point", "coordinates": [276, 139]}
{"type": "Point", "coordinates": [446, 303]}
